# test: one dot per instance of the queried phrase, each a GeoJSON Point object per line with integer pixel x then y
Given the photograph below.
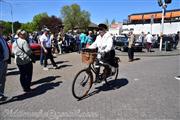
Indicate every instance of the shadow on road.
{"type": "Point", "coordinates": [44, 80]}
{"type": "Point", "coordinates": [63, 66]}
{"type": "Point", "coordinates": [112, 85]}
{"type": "Point", "coordinates": [11, 68]}
{"type": "Point", "coordinates": [60, 62]}
{"type": "Point", "coordinates": [13, 73]}
{"type": "Point", "coordinates": [39, 90]}
{"type": "Point", "coordinates": [135, 59]}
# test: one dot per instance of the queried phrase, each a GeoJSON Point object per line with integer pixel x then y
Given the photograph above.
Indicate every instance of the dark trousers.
{"type": "Point", "coordinates": [26, 75]}
{"type": "Point", "coordinates": [49, 56]}
{"type": "Point", "coordinates": [108, 58]}
{"type": "Point", "coordinates": [131, 53]}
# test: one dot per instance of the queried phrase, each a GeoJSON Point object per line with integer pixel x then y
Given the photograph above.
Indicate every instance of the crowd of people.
{"type": "Point", "coordinates": [51, 43]}
{"type": "Point", "coordinates": [153, 40]}
{"type": "Point", "coordinates": [59, 43]}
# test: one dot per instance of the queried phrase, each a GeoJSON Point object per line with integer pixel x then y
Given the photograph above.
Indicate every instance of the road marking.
{"type": "Point", "coordinates": [177, 77]}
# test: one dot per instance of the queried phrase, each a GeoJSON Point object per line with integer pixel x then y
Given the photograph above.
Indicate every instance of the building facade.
{"type": "Point", "coordinates": [151, 22]}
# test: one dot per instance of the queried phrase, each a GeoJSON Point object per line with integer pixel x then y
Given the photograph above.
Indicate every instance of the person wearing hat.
{"type": "Point", "coordinates": [21, 50]}
{"type": "Point", "coordinates": [4, 57]}
{"type": "Point", "coordinates": [106, 52]}
{"type": "Point", "coordinates": [47, 48]}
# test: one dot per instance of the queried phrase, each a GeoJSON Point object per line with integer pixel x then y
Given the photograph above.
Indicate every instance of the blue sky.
{"type": "Point", "coordinates": [100, 10]}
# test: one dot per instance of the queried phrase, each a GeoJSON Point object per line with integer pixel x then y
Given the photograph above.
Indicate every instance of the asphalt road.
{"type": "Point", "coordinates": [145, 90]}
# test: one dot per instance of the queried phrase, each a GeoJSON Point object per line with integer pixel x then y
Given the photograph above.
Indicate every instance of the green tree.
{"type": "Point", "coordinates": [8, 27]}
{"type": "Point", "coordinates": [73, 17]}
{"type": "Point", "coordinates": [28, 27]}
{"type": "Point", "coordinates": [17, 26]}
{"type": "Point", "coordinates": [36, 20]}
{"type": "Point", "coordinates": [53, 23]}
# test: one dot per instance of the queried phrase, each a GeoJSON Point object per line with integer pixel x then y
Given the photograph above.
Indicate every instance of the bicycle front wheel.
{"type": "Point", "coordinates": [82, 83]}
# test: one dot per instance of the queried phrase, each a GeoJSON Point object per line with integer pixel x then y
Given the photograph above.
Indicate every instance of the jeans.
{"type": "Point", "coordinates": [26, 75]}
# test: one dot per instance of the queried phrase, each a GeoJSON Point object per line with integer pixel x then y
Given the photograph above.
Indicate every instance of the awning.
{"type": "Point", "coordinates": [136, 17]}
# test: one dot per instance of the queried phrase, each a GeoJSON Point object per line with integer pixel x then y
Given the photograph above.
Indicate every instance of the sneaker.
{"type": "Point", "coordinates": [45, 69]}
{"type": "Point", "coordinates": [55, 67]}
{"type": "Point", "coordinates": [177, 77]}
{"type": "Point", "coordinates": [54, 55]}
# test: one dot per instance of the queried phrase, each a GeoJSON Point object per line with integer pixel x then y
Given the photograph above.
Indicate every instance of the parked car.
{"type": "Point", "coordinates": [35, 47]}
{"type": "Point", "coordinates": [121, 43]}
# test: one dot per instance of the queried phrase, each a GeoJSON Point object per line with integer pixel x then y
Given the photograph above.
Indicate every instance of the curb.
{"type": "Point", "coordinates": [154, 54]}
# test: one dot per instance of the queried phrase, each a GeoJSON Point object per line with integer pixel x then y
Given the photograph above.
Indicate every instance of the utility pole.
{"type": "Point", "coordinates": [162, 25]}
{"type": "Point", "coordinates": [164, 6]}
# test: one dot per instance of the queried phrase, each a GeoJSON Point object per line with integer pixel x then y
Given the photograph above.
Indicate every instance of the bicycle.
{"type": "Point", "coordinates": [84, 79]}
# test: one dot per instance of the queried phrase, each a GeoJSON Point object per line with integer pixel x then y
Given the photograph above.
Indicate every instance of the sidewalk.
{"type": "Point", "coordinates": [155, 52]}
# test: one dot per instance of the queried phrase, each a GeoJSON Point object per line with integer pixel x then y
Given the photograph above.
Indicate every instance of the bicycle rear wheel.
{"type": "Point", "coordinates": [82, 83]}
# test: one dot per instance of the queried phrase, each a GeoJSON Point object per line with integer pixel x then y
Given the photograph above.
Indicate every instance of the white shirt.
{"type": "Point", "coordinates": [104, 44]}
{"type": "Point", "coordinates": [45, 40]}
{"type": "Point", "coordinates": [149, 38]}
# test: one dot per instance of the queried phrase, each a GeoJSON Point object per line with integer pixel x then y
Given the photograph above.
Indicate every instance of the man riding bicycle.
{"type": "Point", "coordinates": [106, 52]}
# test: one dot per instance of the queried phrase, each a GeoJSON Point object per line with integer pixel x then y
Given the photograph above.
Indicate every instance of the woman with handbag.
{"type": "Point", "coordinates": [22, 53]}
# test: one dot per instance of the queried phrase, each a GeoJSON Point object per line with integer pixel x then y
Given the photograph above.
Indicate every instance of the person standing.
{"type": "Point", "coordinates": [131, 41]}
{"type": "Point", "coordinates": [82, 38]}
{"type": "Point", "coordinates": [47, 48]}
{"type": "Point", "coordinates": [149, 39]}
{"type": "Point", "coordinates": [89, 39]}
{"type": "Point", "coordinates": [60, 41]}
{"type": "Point", "coordinates": [141, 38]}
{"type": "Point", "coordinates": [177, 38]}
{"type": "Point", "coordinates": [4, 57]}
{"type": "Point", "coordinates": [21, 50]}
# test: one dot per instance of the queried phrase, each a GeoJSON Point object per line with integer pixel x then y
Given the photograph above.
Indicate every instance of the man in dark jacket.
{"type": "Point", "coordinates": [4, 57]}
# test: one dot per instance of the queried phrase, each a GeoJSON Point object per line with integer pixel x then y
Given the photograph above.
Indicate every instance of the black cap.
{"type": "Point", "coordinates": [102, 26]}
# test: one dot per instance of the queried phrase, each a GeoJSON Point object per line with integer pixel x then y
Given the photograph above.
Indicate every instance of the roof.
{"type": "Point", "coordinates": [174, 10]}
{"type": "Point", "coordinates": [93, 25]}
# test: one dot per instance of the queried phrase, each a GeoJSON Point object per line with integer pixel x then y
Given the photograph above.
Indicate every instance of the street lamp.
{"type": "Point", "coordinates": [12, 26]}
{"type": "Point", "coordinates": [164, 6]}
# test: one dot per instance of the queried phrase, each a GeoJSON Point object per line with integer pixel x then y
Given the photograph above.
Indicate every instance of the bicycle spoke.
{"type": "Point", "coordinates": [82, 84]}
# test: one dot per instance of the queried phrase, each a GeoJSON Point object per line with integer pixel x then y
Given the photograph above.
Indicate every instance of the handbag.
{"type": "Point", "coordinates": [31, 56]}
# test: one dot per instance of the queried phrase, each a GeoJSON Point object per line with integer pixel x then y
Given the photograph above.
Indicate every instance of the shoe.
{"type": "Point", "coordinates": [54, 55]}
{"type": "Point", "coordinates": [28, 90]}
{"type": "Point", "coordinates": [55, 67]}
{"type": "Point", "coordinates": [3, 98]}
{"type": "Point", "coordinates": [130, 60]}
{"type": "Point", "coordinates": [45, 69]}
{"type": "Point", "coordinates": [177, 77]}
